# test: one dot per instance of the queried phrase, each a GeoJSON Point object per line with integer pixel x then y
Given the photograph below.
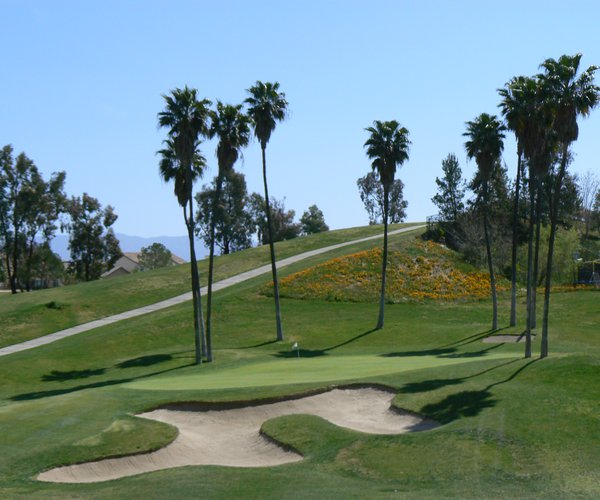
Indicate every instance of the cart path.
{"type": "Point", "coordinates": [163, 304]}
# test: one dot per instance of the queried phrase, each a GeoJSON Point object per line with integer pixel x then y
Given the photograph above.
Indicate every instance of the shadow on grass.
{"type": "Point", "coordinates": [313, 353]}
{"type": "Point", "coordinates": [426, 352]}
{"type": "Point", "coordinates": [145, 361]}
{"type": "Point", "coordinates": [262, 344]}
{"type": "Point", "coordinates": [441, 352]}
{"type": "Point", "coordinates": [466, 403]}
{"type": "Point", "coordinates": [301, 353]}
{"type": "Point", "coordinates": [472, 354]}
{"type": "Point", "coordinates": [461, 404]}
{"type": "Point", "coordinates": [431, 385]}
{"type": "Point", "coordinates": [58, 376]}
{"type": "Point", "coordinates": [28, 396]}
{"type": "Point", "coordinates": [474, 338]}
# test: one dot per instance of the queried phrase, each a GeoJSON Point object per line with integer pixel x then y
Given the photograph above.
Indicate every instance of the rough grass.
{"type": "Point", "coordinates": [513, 428]}
{"type": "Point", "coordinates": [30, 315]}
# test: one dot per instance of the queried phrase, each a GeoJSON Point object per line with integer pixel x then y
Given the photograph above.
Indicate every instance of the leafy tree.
{"type": "Point", "coordinates": [485, 145]}
{"type": "Point", "coordinates": [29, 208]}
{"type": "Point", "coordinates": [387, 146]}
{"type": "Point", "coordinates": [185, 118]}
{"type": "Point", "coordinates": [451, 190]}
{"type": "Point", "coordinates": [372, 195]}
{"type": "Point", "coordinates": [91, 238]}
{"type": "Point", "coordinates": [232, 127]}
{"type": "Point", "coordinates": [589, 189]}
{"type": "Point", "coordinates": [596, 213]}
{"type": "Point", "coordinates": [47, 203]}
{"type": "Point", "coordinates": [282, 220]}
{"type": "Point", "coordinates": [570, 96]}
{"type": "Point", "coordinates": [266, 106]}
{"type": "Point", "coordinates": [155, 256]}
{"type": "Point", "coordinates": [45, 267]}
{"type": "Point", "coordinates": [234, 224]}
{"type": "Point", "coordinates": [313, 221]}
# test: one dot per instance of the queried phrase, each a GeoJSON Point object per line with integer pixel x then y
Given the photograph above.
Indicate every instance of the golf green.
{"type": "Point", "coordinates": [305, 370]}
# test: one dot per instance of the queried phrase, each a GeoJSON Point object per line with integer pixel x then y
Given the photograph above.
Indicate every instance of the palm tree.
{"type": "Point", "coordinates": [485, 145]}
{"type": "Point", "coordinates": [232, 127]}
{"type": "Point", "coordinates": [526, 115]}
{"type": "Point", "coordinates": [388, 147]}
{"type": "Point", "coordinates": [515, 111]}
{"type": "Point", "coordinates": [185, 117]}
{"type": "Point", "coordinates": [267, 106]}
{"type": "Point", "coordinates": [570, 96]}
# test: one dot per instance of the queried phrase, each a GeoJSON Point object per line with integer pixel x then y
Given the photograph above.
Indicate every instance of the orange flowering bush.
{"type": "Point", "coordinates": [430, 274]}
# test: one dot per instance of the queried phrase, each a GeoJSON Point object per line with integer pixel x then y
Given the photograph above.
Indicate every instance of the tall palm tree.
{"type": "Point", "coordinates": [515, 111]}
{"type": "Point", "coordinates": [525, 113]}
{"type": "Point", "coordinates": [232, 127]}
{"type": "Point", "coordinates": [570, 96]}
{"type": "Point", "coordinates": [267, 106]}
{"type": "Point", "coordinates": [186, 117]}
{"type": "Point", "coordinates": [485, 145]}
{"type": "Point", "coordinates": [387, 146]}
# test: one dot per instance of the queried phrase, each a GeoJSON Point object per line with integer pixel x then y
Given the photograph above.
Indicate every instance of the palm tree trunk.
{"type": "Point", "coordinates": [536, 256]}
{"type": "Point", "coordinates": [488, 250]}
{"type": "Point", "coordinates": [196, 298]}
{"type": "Point", "coordinates": [386, 203]}
{"type": "Point", "coordinates": [211, 262]}
{"type": "Point", "coordinates": [513, 288]}
{"type": "Point", "coordinates": [272, 249]}
{"type": "Point", "coordinates": [554, 202]}
{"type": "Point", "coordinates": [530, 263]}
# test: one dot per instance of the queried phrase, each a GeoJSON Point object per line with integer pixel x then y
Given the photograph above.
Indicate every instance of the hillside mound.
{"type": "Point", "coordinates": [427, 271]}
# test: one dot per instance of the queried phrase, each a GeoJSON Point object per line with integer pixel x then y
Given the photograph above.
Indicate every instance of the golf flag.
{"type": "Point", "coordinates": [295, 346]}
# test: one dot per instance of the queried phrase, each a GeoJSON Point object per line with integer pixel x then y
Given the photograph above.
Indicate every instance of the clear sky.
{"type": "Point", "coordinates": [81, 86]}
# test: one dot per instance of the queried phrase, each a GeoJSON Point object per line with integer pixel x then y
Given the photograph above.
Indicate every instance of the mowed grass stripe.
{"type": "Point", "coordinates": [305, 370]}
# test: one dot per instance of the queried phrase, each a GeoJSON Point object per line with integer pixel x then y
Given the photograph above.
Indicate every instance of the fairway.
{"type": "Point", "coordinates": [307, 370]}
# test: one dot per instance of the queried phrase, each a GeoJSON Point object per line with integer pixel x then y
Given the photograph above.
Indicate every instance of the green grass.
{"type": "Point", "coordinates": [309, 370]}
{"type": "Point", "coordinates": [31, 315]}
{"type": "Point", "coordinates": [512, 428]}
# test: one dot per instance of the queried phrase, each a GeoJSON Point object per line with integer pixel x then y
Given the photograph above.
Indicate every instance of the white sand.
{"type": "Point", "coordinates": [231, 437]}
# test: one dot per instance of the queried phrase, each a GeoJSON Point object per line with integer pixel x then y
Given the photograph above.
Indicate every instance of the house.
{"type": "Point", "coordinates": [130, 262]}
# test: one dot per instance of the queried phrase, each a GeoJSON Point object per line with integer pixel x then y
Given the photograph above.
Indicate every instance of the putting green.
{"type": "Point", "coordinates": [303, 370]}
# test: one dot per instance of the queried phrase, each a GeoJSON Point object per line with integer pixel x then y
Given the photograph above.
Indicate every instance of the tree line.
{"type": "Point", "coordinates": [32, 210]}
{"type": "Point", "coordinates": [542, 111]}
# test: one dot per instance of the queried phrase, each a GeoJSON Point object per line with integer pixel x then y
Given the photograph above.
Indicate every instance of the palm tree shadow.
{"type": "Point", "coordinates": [60, 376]}
{"type": "Point", "coordinates": [474, 338]}
{"type": "Point", "coordinates": [312, 353]}
{"type": "Point", "coordinates": [28, 396]}
{"type": "Point", "coordinates": [349, 341]}
{"type": "Point", "coordinates": [145, 361]}
{"type": "Point", "coordinates": [445, 352]}
{"type": "Point", "coordinates": [466, 403]}
{"type": "Point", "coordinates": [261, 344]}
{"type": "Point", "coordinates": [301, 353]}
{"type": "Point", "coordinates": [461, 404]}
{"type": "Point", "coordinates": [431, 385]}
{"type": "Point", "coordinates": [426, 352]}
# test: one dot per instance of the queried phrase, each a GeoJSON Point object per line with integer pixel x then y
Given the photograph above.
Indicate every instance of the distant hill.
{"type": "Point", "coordinates": [177, 244]}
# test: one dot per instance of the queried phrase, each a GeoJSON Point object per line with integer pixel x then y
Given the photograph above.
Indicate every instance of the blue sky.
{"type": "Point", "coordinates": [82, 81]}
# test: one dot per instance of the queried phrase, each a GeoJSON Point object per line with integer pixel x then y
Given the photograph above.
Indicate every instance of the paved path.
{"type": "Point", "coordinates": [163, 304]}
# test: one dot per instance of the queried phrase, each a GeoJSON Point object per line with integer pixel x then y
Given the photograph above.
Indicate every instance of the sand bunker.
{"type": "Point", "coordinates": [232, 437]}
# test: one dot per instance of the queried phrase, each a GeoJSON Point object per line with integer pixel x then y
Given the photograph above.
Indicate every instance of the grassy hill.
{"type": "Point", "coordinates": [511, 427]}
{"type": "Point", "coordinates": [30, 315]}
